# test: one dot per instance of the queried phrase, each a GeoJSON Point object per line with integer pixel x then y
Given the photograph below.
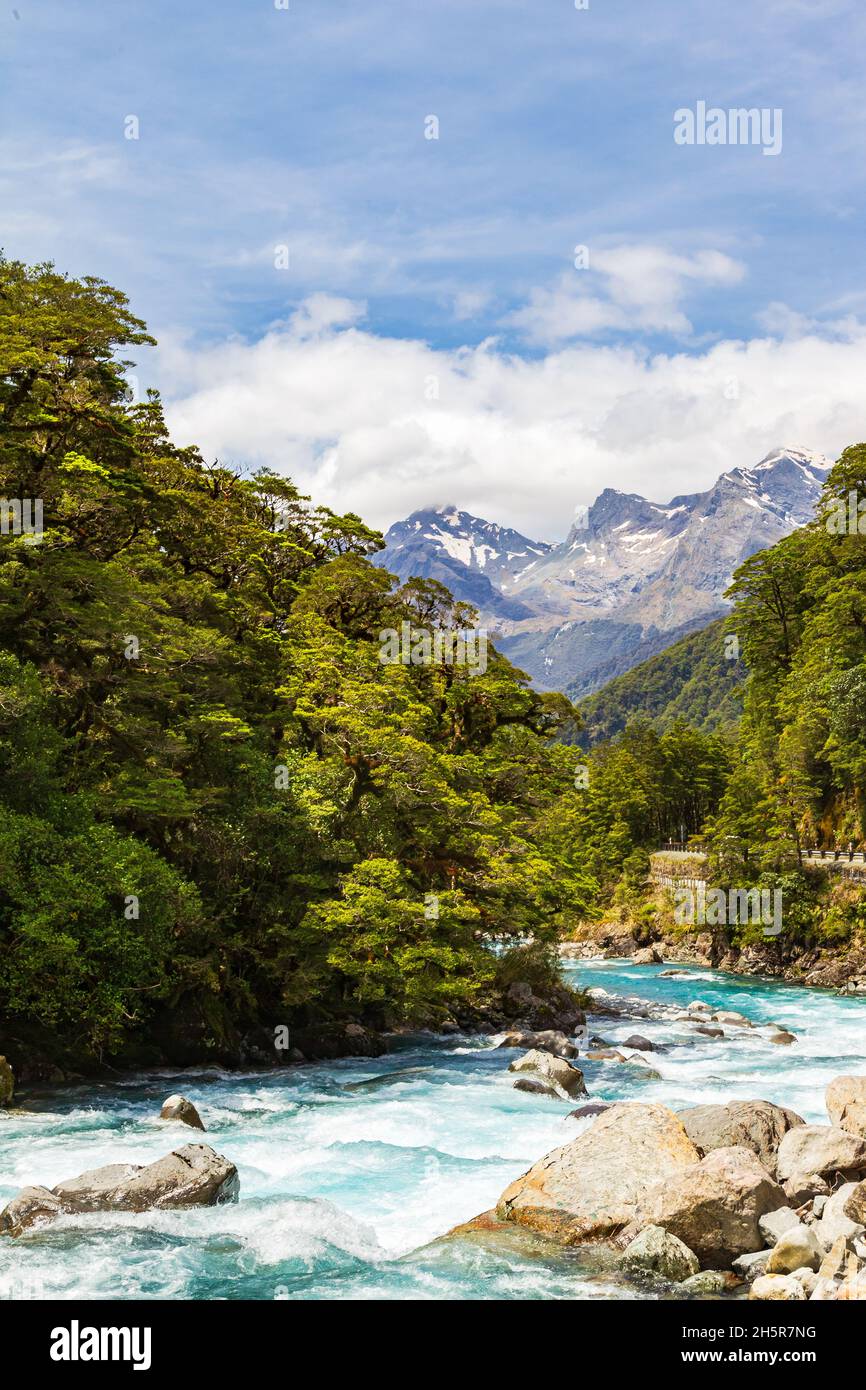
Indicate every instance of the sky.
{"type": "Point", "coordinates": [418, 252]}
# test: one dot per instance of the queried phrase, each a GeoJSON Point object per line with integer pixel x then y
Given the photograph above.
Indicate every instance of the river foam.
{"type": "Point", "coordinates": [350, 1170]}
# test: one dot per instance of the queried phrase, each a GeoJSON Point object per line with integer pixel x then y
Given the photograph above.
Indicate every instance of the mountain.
{"type": "Point", "coordinates": [477, 560]}
{"type": "Point", "coordinates": [631, 577]}
{"type": "Point", "coordinates": [692, 681]}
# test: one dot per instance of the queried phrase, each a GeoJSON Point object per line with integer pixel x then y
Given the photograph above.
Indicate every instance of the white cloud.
{"type": "Point", "coordinates": [355, 417]}
{"type": "Point", "coordinates": [624, 288]}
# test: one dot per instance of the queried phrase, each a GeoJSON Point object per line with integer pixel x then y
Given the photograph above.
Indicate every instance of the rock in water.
{"type": "Point", "coordinates": [822, 1149]}
{"type": "Point", "coordinates": [639, 1043]}
{"type": "Point", "coordinates": [714, 1207]}
{"type": "Point", "coordinates": [846, 1104]}
{"type": "Point", "coordinates": [179, 1108]}
{"type": "Point", "coordinates": [753, 1124]}
{"type": "Point", "coordinates": [709, 1281]}
{"type": "Point", "coordinates": [656, 1251]}
{"type": "Point", "coordinates": [33, 1207]}
{"type": "Point", "coordinates": [591, 1187]}
{"type": "Point", "coordinates": [535, 1088]}
{"type": "Point", "coordinates": [194, 1176]}
{"type": "Point", "coordinates": [7, 1083]}
{"type": "Point", "coordinates": [566, 1080]}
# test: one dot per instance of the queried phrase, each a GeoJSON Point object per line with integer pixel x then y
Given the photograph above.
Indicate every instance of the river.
{"type": "Point", "coordinates": [350, 1169]}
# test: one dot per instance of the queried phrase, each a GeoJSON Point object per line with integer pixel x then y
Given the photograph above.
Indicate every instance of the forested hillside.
{"type": "Point", "coordinates": [695, 682]}
{"type": "Point", "coordinates": [800, 611]}
{"type": "Point", "coordinates": [219, 807]}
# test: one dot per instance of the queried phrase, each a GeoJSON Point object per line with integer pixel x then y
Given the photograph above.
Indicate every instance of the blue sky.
{"type": "Point", "coordinates": [262, 127]}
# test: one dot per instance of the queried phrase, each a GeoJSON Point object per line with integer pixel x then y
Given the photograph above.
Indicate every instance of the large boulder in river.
{"type": "Point", "coordinates": [588, 1189]}
{"type": "Point", "coordinates": [34, 1206]}
{"type": "Point", "coordinates": [714, 1206]}
{"type": "Point", "coordinates": [846, 1104]}
{"type": "Point", "coordinates": [821, 1149]}
{"type": "Point", "coordinates": [548, 1040]}
{"type": "Point", "coordinates": [194, 1176]}
{"type": "Point", "coordinates": [181, 1109]}
{"type": "Point", "coordinates": [7, 1083]}
{"type": "Point", "coordinates": [751, 1124]}
{"type": "Point", "coordinates": [566, 1080]}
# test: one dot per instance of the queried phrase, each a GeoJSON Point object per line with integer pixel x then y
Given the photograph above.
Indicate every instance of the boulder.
{"type": "Point", "coordinates": [655, 1251]}
{"type": "Point", "coordinates": [33, 1207]}
{"type": "Point", "coordinates": [584, 1112]}
{"type": "Point", "coordinates": [698, 1006]}
{"type": "Point", "coordinates": [754, 1124]}
{"type": "Point", "coordinates": [846, 1104]}
{"type": "Point", "coordinates": [774, 1224]}
{"type": "Point", "coordinates": [752, 1265]}
{"type": "Point", "coordinates": [556, 1072]}
{"type": "Point", "coordinates": [179, 1108]}
{"type": "Point", "coordinates": [639, 1043]}
{"type": "Point", "coordinates": [782, 1039]}
{"type": "Point", "coordinates": [194, 1176]}
{"type": "Point", "coordinates": [7, 1083]}
{"type": "Point", "coordinates": [821, 1149]}
{"type": "Point", "coordinates": [96, 1189]}
{"type": "Point", "coordinates": [837, 1219]}
{"type": "Point", "coordinates": [535, 1088]}
{"type": "Point", "coordinates": [855, 1203]}
{"type": "Point", "coordinates": [590, 1188]}
{"type": "Point", "coordinates": [549, 1040]}
{"type": "Point", "coordinates": [648, 955]}
{"type": "Point", "coordinates": [778, 1288]}
{"type": "Point", "coordinates": [730, 1016]}
{"type": "Point", "coordinates": [709, 1032]}
{"type": "Point", "coordinates": [808, 1278]}
{"type": "Point", "coordinates": [798, 1248]}
{"type": "Point", "coordinates": [709, 1281]}
{"type": "Point", "coordinates": [805, 1187]}
{"type": "Point", "coordinates": [714, 1207]}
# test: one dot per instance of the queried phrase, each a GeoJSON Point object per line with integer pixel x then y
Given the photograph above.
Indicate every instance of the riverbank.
{"type": "Point", "coordinates": [650, 936]}
{"type": "Point", "coordinates": [352, 1170]}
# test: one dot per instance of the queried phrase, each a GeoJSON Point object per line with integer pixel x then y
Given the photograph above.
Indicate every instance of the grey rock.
{"type": "Point", "coordinates": [639, 1043]}
{"type": "Point", "coordinates": [751, 1265]}
{"type": "Point", "coordinates": [846, 1103]}
{"type": "Point", "coordinates": [655, 1251]}
{"type": "Point", "coordinates": [193, 1176]}
{"type": "Point", "coordinates": [714, 1206]}
{"type": "Point", "coordinates": [774, 1224]}
{"type": "Point", "coordinates": [556, 1072]}
{"type": "Point", "coordinates": [822, 1149]}
{"type": "Point", "coordinates": [535, 1088]}
{"type": "Point", "coordinates": [181, 1109]}
{"type": "Point", "coordinates": [709, 1282]}
{"type": "Point", "coordinates": [31, 1208]}
{"type": "Point", "coordinates": [756, 1124]}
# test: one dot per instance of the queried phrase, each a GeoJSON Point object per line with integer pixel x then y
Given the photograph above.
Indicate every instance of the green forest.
{"type": "Point", "coordinates": [221, 810]}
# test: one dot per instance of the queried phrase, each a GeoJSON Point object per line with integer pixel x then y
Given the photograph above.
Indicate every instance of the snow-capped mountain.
{"type": "Point", "coordinates": [478, 560]}
{"type": "Point", "coordinates": [630, 578]}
